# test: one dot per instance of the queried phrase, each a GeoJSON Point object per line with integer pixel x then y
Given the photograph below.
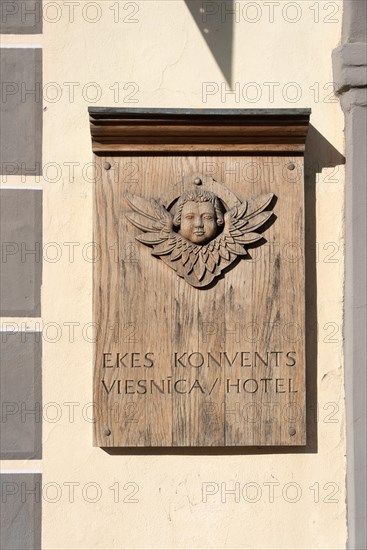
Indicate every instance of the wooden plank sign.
{"type": "Point", "coordinates": [199, 287]}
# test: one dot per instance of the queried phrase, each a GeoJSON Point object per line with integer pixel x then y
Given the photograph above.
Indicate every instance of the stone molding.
{"type": "Point", "coordinates": [350, 66]}
{"type": "Point", "coordinates": [350, 77]}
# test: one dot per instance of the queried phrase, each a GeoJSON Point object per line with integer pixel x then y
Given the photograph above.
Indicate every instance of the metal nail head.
{"type": "Point", "coordinates": [292, 431]}
{"type": "Point", "coordinates": [107, 431]}
{"type": "Point", "coordinates": [197, 181]}
{"type": "Point", "coordinates": [291, 166]}
{"type": "Point", "coordinates": [106, 165]}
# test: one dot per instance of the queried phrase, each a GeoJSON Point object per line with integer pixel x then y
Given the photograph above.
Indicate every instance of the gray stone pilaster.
{"type": "Point", "coordinates": [350, 76]}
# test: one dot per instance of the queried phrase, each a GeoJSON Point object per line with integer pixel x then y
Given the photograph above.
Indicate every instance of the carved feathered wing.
{"type": "Point", "coordinates": [152, 217]}
{"type": "Point", "coordinates": [199, 264]}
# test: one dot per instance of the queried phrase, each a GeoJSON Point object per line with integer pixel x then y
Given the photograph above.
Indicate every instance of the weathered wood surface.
{"type": "Point", "coordinates": [250, 131]}
{"type": "Point", "coordinates": [252, 316]}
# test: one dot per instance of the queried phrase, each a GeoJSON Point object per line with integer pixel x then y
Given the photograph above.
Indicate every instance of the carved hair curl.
{"type": "Point", "coordinates": [198, 195]}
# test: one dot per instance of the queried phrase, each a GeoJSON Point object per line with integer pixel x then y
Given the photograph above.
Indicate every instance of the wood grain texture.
{"type": "Point", "coordinates": [241, 328]}
{"type": "Point", "coordinates": [180, 366]}
{"type": "Point", "coordinates": [172, 131]}
{"type": "Point", "coordinates": [195, 148]}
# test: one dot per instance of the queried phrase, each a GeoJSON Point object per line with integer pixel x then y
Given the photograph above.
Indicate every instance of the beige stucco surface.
{"type": "Point", "coordinates": [164, 58]}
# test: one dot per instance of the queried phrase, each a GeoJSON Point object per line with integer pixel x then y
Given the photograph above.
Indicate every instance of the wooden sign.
{"type": "Point", "coordinates": [199, 285]}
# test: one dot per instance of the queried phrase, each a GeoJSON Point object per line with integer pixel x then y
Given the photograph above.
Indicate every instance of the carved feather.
{"type": "Point", "coordinates": [190, 263]}
{"type": "Point", "coordinates": [258, 220]}
{"type": "Point", "coordinates": [176, 252]}
{"type": "Point", "coordinates": [237, 249]}
{"type": "Point", "coordinates": [236, 232]}
{"type": "Point", "coordinates": [142, 206]}
{"type": "Point", "coordinates": [185, 256]}
{"type": "Point", "coordinates": [258, 204]}
{"type": "Point", "coordinates": [215, 255]}
{"type": "Point", "coordinates": [151, 238]}
{"type": "Point", "coordinates": [248, 238]}
{"type": "Point", "coordinates": [142, 222]}
{"type": "Point", "coordinates": [229, 238]}
{"type": "Point", "coordinates": [223, 252]}
{"type": "Point", "coordinates": [204, 255]}
{"type": "Point", "coordinates": [199, 268]}
{"type": "Point", "coordinates": [240, 224]}
{"type": "Point", "coordinates": [241, 210]}
{"type": "Point", "coordinates": [148, 214]}
{"type": "Point", "coordinates": [163, 248]}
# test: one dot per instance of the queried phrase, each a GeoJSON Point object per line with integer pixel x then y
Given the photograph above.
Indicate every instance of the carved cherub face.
{"type": "Point", "coordinates": [198, 216]}
{"type": "Point", "coordinates": [198, 222]}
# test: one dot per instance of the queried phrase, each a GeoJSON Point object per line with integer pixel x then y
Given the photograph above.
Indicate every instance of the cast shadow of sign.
{"type": "Point", "coordinates": [216, 23]}
{"type": "Point", "coordinates": [320, 154]}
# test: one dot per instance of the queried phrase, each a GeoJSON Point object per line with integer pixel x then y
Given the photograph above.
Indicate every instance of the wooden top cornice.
{"type": "Point", "coordinates": [117, 130]}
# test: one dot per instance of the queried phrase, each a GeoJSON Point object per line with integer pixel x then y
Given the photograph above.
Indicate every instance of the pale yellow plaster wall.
{"type": "Point", "coordinates": [167, 59]}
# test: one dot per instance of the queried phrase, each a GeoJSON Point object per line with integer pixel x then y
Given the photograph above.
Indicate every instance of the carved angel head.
{"type": "Point", "coordinates": [197, 252]}
{"type": "Point", "coordinates": [198, 215]}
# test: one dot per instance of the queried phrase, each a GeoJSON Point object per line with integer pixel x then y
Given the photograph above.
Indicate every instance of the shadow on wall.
{"type": "Point", "coordinates": [215, 22]}
{"type": "Point", "coordinates": [319, 154]}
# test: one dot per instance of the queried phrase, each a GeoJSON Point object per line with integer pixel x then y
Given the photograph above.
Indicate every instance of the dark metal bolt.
{"type": "Point", "coordinates": [291, 166]}
{"type": "Point", "coordinates": [106, 165]}
{"type": "Point", "coordinates": [292, 431]}
{"type": "Point", "coordinates": [197, 181]}
{"type": "Point", "coordinates": [107, 431]}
